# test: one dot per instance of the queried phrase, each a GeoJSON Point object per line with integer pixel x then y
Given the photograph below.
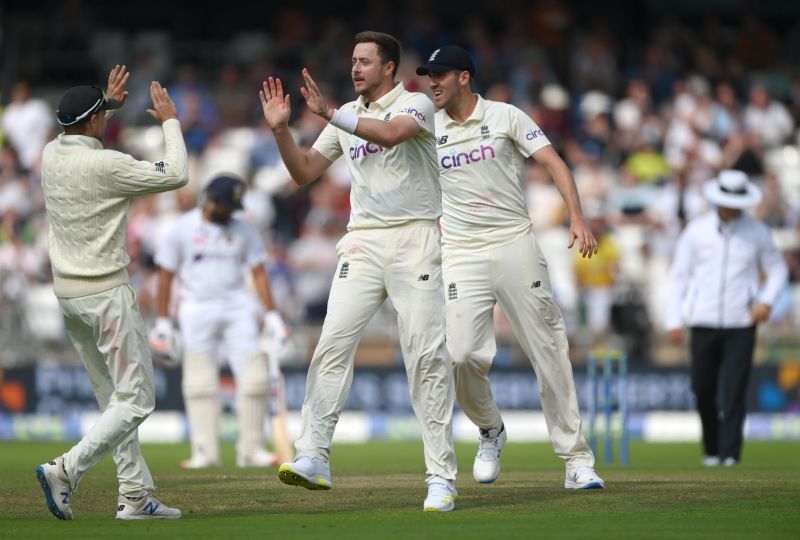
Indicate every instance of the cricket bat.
{"type": "Point", "coordinates": [277, 404]}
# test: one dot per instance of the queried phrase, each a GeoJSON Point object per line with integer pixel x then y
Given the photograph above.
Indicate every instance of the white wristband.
{"type": "Point", "coordinates": [345, 121]}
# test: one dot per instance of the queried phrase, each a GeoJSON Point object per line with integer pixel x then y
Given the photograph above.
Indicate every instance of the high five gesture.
{"type": "Point", "coordinates": [275, 104]}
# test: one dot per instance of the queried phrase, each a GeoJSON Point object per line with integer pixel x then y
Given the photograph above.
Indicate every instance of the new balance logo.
{"type": "Point", "coordinates": [452, 292]}
{"type": "Point", "coordinates": [387, 117]}
{"type": "Point", "coordinates": [160, 167]}
{"type": "Point", "coordinates": [423, 277]}
{"type": "Point", "coordinates": [150, 508]}
{"type": "Point", "coordinates": [441, 140]}
{"type": "Point", "coordinates": [536, 284]}
{"type": "Point", "coordinates": [484, 129]}
{"type": "Point", "coordinates": [120, 508]}
{"type": "Point", "coordinates": [432, 57]}
{"type": "Point", "coordinates": [344, 270]}
{"type": "Point", "coordinates": [65, 497]}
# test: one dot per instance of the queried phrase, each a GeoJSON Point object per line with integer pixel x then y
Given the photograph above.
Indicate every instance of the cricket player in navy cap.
{"type": "Point", "coordinates": [490, 256]}
{"type": "Point", "coordinates": [87, 192]}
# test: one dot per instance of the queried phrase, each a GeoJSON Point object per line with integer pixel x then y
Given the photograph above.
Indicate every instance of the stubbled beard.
{"type": "Point", "coordinates": [366, 90]}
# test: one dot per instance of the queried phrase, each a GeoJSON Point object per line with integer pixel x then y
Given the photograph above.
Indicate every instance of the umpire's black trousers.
{"type": "Point", "coordinates": [721, 360]}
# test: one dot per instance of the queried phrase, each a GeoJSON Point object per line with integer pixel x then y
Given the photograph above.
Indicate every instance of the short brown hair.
{"type": "Point", "coordinates": [389, 49]}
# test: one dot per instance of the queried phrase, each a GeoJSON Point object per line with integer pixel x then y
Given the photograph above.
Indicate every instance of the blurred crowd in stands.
{"type": "Point", "coordinates": [643, 124]}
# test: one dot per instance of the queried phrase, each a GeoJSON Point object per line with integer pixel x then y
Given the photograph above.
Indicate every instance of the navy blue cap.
{"type": "Point", "coordinates": [81, 102]}
{"type": "Point", "coordinates": [447, 58]}
{"type": "Point", "coordinates": [227, 191]}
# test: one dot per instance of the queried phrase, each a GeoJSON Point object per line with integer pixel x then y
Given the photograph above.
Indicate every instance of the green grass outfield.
{"type": "Point", "coordinates": [379, 489]}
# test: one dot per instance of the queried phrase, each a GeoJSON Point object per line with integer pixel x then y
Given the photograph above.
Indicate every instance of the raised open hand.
{"type": "Point", "coordinates": [314, 99]}
{"type": "Point", "coordinates": [117, 79]}
{"type": "Point", "coordinates": [163, 107]}
{"type": "Point", "coordinates": [275, 105]}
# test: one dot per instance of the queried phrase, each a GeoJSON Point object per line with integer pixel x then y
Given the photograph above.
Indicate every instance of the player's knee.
{"type": "Point", "coordinates": [254, 376]}
{"type": "Point", "coordinates": [147, 408]}
{"type": "Point", "coordinates": [465, 359]}
{"type": "Point", "coordinates": [200, 376]}
{"type": "Point", "coordinates": [137, 407]}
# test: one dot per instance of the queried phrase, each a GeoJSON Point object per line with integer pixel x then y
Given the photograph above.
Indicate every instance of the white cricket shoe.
{"type": "Point", "coordinates": [309, 472]}
{"type": "Point", "coordinates": [729, 461]}
{"type": "Point", "coordinates": [486, 467]}
{"type": "Point", "coordinates": [55, 484]}
{"type": "Point", "coordinates": [259, 458]}
{"type": "Point", "coordinates": [441, 495]}
{"type": "Point", "coordinates": [199, 462]}
{"type": "Point", "coordinates": [583, 478]}
{"type": "Point", "coordinates": [710, 461]}
{"type": "Point", "coordinates": [145, 507]}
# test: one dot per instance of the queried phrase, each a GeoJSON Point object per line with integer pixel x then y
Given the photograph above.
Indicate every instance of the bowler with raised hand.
{"type": "Point", "coordinates": [391, 250]}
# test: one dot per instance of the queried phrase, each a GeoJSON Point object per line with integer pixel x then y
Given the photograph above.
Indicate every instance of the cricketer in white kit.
{"type": "Point", "coordinates": [392, 249]}
{"type": "Point", "coordinates": [490, 256]}
{"type": "Point", "coordinates": [209, 250]}
{"type": "Point", "coordinates": [88, 191]}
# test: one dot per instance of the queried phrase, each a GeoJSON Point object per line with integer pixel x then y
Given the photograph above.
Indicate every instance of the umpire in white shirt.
{"type": "Point", "coordinates": [716, 277]}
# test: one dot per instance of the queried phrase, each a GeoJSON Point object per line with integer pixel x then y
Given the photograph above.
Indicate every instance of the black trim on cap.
{"type": "Point", "coordinates": [71, 119]}
{"type": "Point", "coordinates": [741, 191]}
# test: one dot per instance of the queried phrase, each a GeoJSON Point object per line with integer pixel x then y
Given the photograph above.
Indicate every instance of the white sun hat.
{"type": "Point", "coordinates": [732, 189]}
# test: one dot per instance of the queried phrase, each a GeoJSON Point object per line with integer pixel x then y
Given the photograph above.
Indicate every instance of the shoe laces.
{"type": "Point", "coordinates": [439, 490]}
{"type": "Point", "coordinates": [313, 459]}
{"type": "Point", "coordinates": [584, 471]}
{"type": "Point", "coordinates": [489, 447]}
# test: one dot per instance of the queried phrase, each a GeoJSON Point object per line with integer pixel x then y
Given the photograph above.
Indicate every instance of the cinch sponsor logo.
{"type": "Point", "coordinates": [532, 134]}
{"type": "Point", "coordinates": [413, 112]}
{"type": "Point", "coordinates": [361, 150]}
{"type": "Point", "coordinates": [458, 159]}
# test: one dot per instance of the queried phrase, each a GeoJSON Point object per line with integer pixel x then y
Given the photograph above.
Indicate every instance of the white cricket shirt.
{"type": "Point", "coordinates": [390, 186]}
{"type": "Point", "coordinates": [716, 271]}
{"type": "Point", "coordinates": [482, 174]}
{"type": "Point", "coordinates": [210, 260]}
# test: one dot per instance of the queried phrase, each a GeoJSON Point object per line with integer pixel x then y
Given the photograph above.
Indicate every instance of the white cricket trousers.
{"type": "Point", "coordinates": [403, 263]}
{"type": "Point", "coordinates": [108, 333]}
{"type": "Point", "coordinates": [515, 276]}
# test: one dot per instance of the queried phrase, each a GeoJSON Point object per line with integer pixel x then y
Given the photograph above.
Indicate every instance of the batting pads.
{"type": "Point", "coordinates": [201, 397]}
{"type": "Point", "coordinates": [251, 402]}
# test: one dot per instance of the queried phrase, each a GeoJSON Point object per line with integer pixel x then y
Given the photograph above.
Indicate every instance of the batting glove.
{"type": "Point", "coordinates": [163, 340]}
{"type": "Point", "coordinates": [274, 328]}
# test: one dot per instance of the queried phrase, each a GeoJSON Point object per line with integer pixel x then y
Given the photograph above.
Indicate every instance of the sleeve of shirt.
{"type": "Point", "coordinates": [131, 177]}
{"type": "Point", "coordinates": [679, 277]}
{"type": "Point", "coordinates": [328, 143]}
{"type": "Point", "coordinates": [255, 254]}
{"type": "Point", "coordinates": [168, 254]}
{"type": "Point", "coordinates": [771, 262]}
{"type": "Point", "coordinates": [420, 108]}
{"type": "Point", "coordinates": [528, 136]}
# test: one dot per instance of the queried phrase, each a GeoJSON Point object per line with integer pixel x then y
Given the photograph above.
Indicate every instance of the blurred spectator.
{"type": "Point", "coordinates": [596, 276]}
{"type": "Point", "coordinates": [232, 99]}
{"type": "Point", "coordinates": [27, 124]}
{"type": "Point", "coordinates": [196, 109]}
{"type": "Point", "coordinates": [767, 118]}
{"type": "Point", "coordinates": [643, 118]}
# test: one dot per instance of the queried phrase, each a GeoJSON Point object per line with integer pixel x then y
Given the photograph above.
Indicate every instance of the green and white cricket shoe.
{"type": "Point", "coordinates": [441, 495]}
{"type": "Point", "coordinates": [55, 484]}
{"type": "Point", "coordinates": [486, 467]}
{"type": "Point", "coordinates": [145, 507]}
{"type": "Point", "coordinates": [583, 478]}
{"type": "Point", "coordinates": [309, 472]}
